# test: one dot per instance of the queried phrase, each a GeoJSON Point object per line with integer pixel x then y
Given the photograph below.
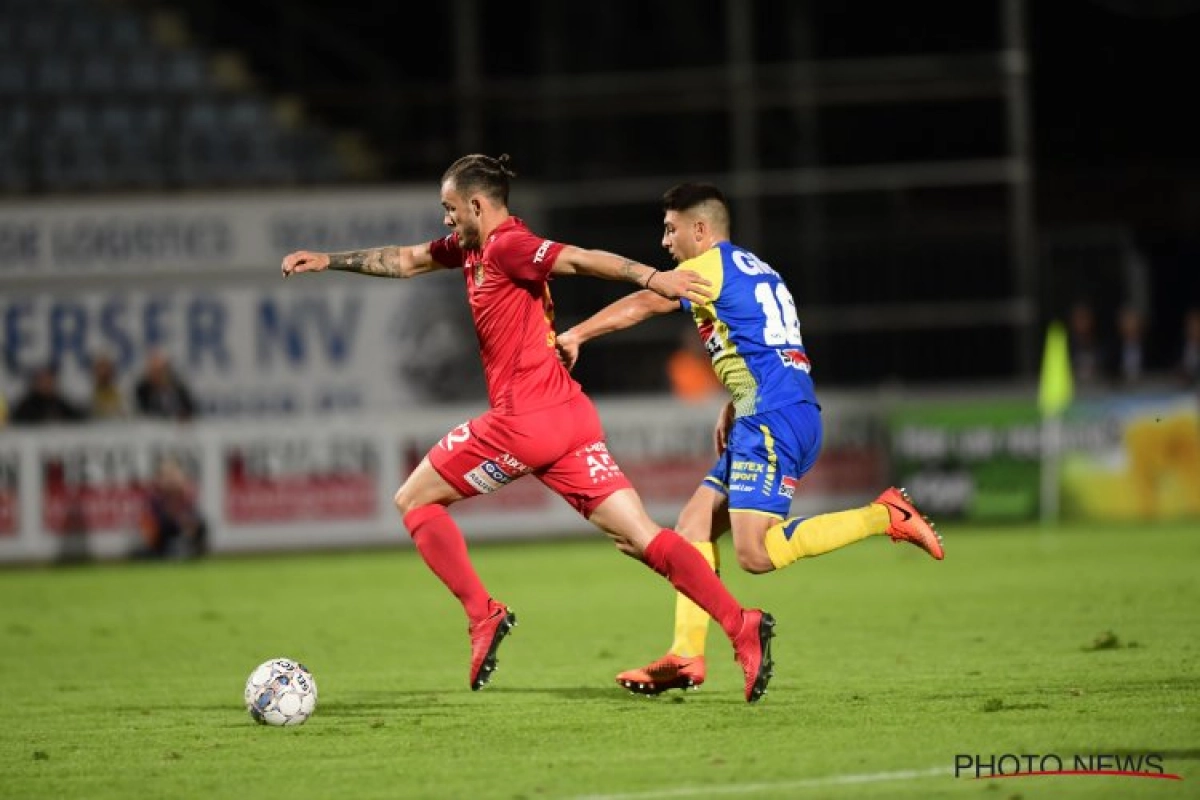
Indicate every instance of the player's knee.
{"type": "Point", "coordinates": [754, 560]}
{"type": "Point", "coordinates": [404, 501]}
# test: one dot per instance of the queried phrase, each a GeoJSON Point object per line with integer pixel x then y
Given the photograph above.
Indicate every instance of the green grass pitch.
{"type": "Point", "coordinates": [126, 680]}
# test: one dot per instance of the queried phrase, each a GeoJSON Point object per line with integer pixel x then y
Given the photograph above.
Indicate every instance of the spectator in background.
{"type": "Point", "coordinates": [108, 403]}
{"type": "Point", "coordinates": [690, 371]}
{"type": "Point", "coordinates": [1131, 361]}
{"type": "Point", "coordinates": [161, 393]}
{"type": "Point", "coordinates": [172, 525]}
{"type": "Point", "coordinates": [1189, 357]}
{"type": "Point", "coordinates": [1087, 353]}
{"type": "Point", "coordinates": [43, 404]}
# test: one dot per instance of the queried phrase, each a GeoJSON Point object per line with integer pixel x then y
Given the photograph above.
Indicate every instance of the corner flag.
{"type": "Point", "coordinates": [1056, 387]}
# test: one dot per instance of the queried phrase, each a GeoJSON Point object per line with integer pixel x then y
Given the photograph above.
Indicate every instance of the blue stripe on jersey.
{"type": "Point", "coordinates": [752, 332]}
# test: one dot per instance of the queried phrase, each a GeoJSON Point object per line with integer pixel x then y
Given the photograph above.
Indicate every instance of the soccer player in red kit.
{"type": "Point", "coordinates": [540, 422]}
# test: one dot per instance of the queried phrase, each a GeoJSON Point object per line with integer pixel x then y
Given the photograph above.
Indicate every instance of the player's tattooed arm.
{"type": "Point", "coordinates": [380, 262]}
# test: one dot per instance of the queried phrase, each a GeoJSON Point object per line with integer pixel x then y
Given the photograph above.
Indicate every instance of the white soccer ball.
{"type": "Point", "coordinates": [281, 692]}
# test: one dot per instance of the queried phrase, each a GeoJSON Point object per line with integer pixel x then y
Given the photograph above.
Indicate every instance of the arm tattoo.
{"type": "Point", "coordinates": [382, 262]}
{"type": "Point", "coordinates": [627, 271]}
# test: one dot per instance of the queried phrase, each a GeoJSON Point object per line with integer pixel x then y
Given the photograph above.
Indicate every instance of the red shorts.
{"type": "Point", "coordinates": [563, 447]}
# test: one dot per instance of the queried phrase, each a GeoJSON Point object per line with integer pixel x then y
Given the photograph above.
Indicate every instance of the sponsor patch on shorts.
{"type": "Point", "coordinates": [488, 477]}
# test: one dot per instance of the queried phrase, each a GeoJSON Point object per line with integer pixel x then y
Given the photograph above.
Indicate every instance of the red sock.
{"type": "Point", "coordinates": [670, 555]}
{"type": "Point", "coordinates": [441, 544]}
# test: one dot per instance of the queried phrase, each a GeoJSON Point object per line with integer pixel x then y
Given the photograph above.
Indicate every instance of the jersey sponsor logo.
{"type": "Point", "coordinates": [796, 359]}
{"type": "Point", "coordinates": [541, 251]}
{"type": "Point", "coordinates": [712, 339]}
{"type": "Point", "coordinates": [787, 486]}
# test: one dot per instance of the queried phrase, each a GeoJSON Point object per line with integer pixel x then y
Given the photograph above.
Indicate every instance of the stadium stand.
{"type": "Point", "coordinates": [105, 97]}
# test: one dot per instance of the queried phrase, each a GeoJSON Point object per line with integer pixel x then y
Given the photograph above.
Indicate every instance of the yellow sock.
{"type": "Point", "coordinates": [800, 537]}
{"type": "Point", "coordinates": [691, 621]}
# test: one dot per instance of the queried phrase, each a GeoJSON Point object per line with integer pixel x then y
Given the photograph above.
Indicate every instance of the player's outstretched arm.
{"type": "Point", "coordinates": [380, 262]}
{"type": "Point", "coordinates": [616, 316]}
{"type": "Point", "coordinates": [673, 285]}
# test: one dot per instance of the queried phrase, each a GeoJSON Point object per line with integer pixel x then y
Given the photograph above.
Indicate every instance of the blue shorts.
{"type": "Point", "coordinates": [766, 457]}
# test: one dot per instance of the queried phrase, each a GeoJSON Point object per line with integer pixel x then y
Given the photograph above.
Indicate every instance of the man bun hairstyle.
{"type": "Point", "coordinates": [480, 173]}
{"type": "Point", "coordinates": [703, 198]}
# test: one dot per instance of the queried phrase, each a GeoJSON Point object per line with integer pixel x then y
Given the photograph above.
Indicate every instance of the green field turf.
{"type": "Point", "coordinates": [126, 680]}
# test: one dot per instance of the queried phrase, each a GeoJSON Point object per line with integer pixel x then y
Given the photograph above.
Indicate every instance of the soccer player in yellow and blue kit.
{"type": "Point", "coordinates": [768, 436]}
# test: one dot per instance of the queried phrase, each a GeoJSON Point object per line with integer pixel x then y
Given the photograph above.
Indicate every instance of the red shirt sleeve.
{"type": "Point", "coordinates": [446, 251]}
{"type": "Point", "coordinates": [526, 257]}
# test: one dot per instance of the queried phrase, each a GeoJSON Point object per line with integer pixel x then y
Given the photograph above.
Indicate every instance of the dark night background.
{"type": "Point", "coordinates": [588, 96]}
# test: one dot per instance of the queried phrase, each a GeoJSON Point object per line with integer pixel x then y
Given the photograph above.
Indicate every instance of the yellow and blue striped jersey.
{"type": "Point", "coordinates": [751, 331]}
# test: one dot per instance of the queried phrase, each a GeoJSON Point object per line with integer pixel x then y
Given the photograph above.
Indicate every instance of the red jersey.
{"type": "Point", "coordinates": [514, 315]}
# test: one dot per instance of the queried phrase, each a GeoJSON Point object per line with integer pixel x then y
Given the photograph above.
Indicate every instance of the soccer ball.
{"type": "Point", "coordinates": [281, 692]}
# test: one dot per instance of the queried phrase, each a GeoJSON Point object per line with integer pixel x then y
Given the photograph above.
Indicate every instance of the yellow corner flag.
{"type": "Point", "coordinates": [1057, 386]}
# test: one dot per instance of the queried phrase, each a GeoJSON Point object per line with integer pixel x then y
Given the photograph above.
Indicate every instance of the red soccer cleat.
{"type": "Point", "coordinates": [907, 524]}
{"type": "Point", "coordinates": [669, 672]}
{"type": "Point", "coordinates": [752, 650]}
{"type": "Point", "coordinates": [486, 636]}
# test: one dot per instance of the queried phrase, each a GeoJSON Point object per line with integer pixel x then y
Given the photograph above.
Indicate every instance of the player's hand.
{"type": "Point", "coordinates": [721, 432]}
{"type": "Point", "coordinates": [568, 349]}
{"type": "Point", "coordinates": [304, 261]}
{"type": "Point", "coordinates": [681, 283]}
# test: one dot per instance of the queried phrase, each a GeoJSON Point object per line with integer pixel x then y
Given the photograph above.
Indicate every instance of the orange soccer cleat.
{"type": "Point", "coordinates": [669, 672]}
{"type": "Point", "coordinates": [486, 636]}
{"type": "Point", "coordinates": [909, 525]}
{"type": "Point", "coordinates": [752, 649]}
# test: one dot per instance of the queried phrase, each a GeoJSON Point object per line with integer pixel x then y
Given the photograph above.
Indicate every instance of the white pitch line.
{"type": "Point", "coordinates": [757, 788]}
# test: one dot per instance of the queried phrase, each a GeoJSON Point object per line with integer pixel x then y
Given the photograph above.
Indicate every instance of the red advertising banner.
{"type": "Point", "coordinates": [285, 479]}
{"type": "Point", "coordinates": [101, 487]}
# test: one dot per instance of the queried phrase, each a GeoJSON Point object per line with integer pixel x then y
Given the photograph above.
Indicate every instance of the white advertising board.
{"type": "Point", "coordinates": [308, 483]}
{"type": "Point", "coordinates": [175, 234]}
{"type": "Point", "coordinates": [309, 344]}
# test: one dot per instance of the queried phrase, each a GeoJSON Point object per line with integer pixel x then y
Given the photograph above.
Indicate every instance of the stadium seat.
{"type": "Point", "coordinates": [89, 99]}
{"type": "Point", "coordinates": [14, 75]}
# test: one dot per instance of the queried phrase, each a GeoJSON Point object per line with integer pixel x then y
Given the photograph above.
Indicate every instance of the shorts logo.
{"type": "Point", "coordinates": [601, 467]}
{"type": "Point", "coordinates": [787, 486]}
{"type": "Point", "coordinates": [796, 359]}
{"type": "Point", "coordinates": [488, 477]}
{"type": "Point", "coordinates": [512, 463]}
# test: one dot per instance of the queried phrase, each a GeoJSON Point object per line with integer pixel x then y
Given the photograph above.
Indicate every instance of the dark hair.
{"type": "Point", "coordinates": [689, 196]}
{"type": "Point", "coordinates": [480, 173]}
{"type": "Point", "coordinates": [686, 196]}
